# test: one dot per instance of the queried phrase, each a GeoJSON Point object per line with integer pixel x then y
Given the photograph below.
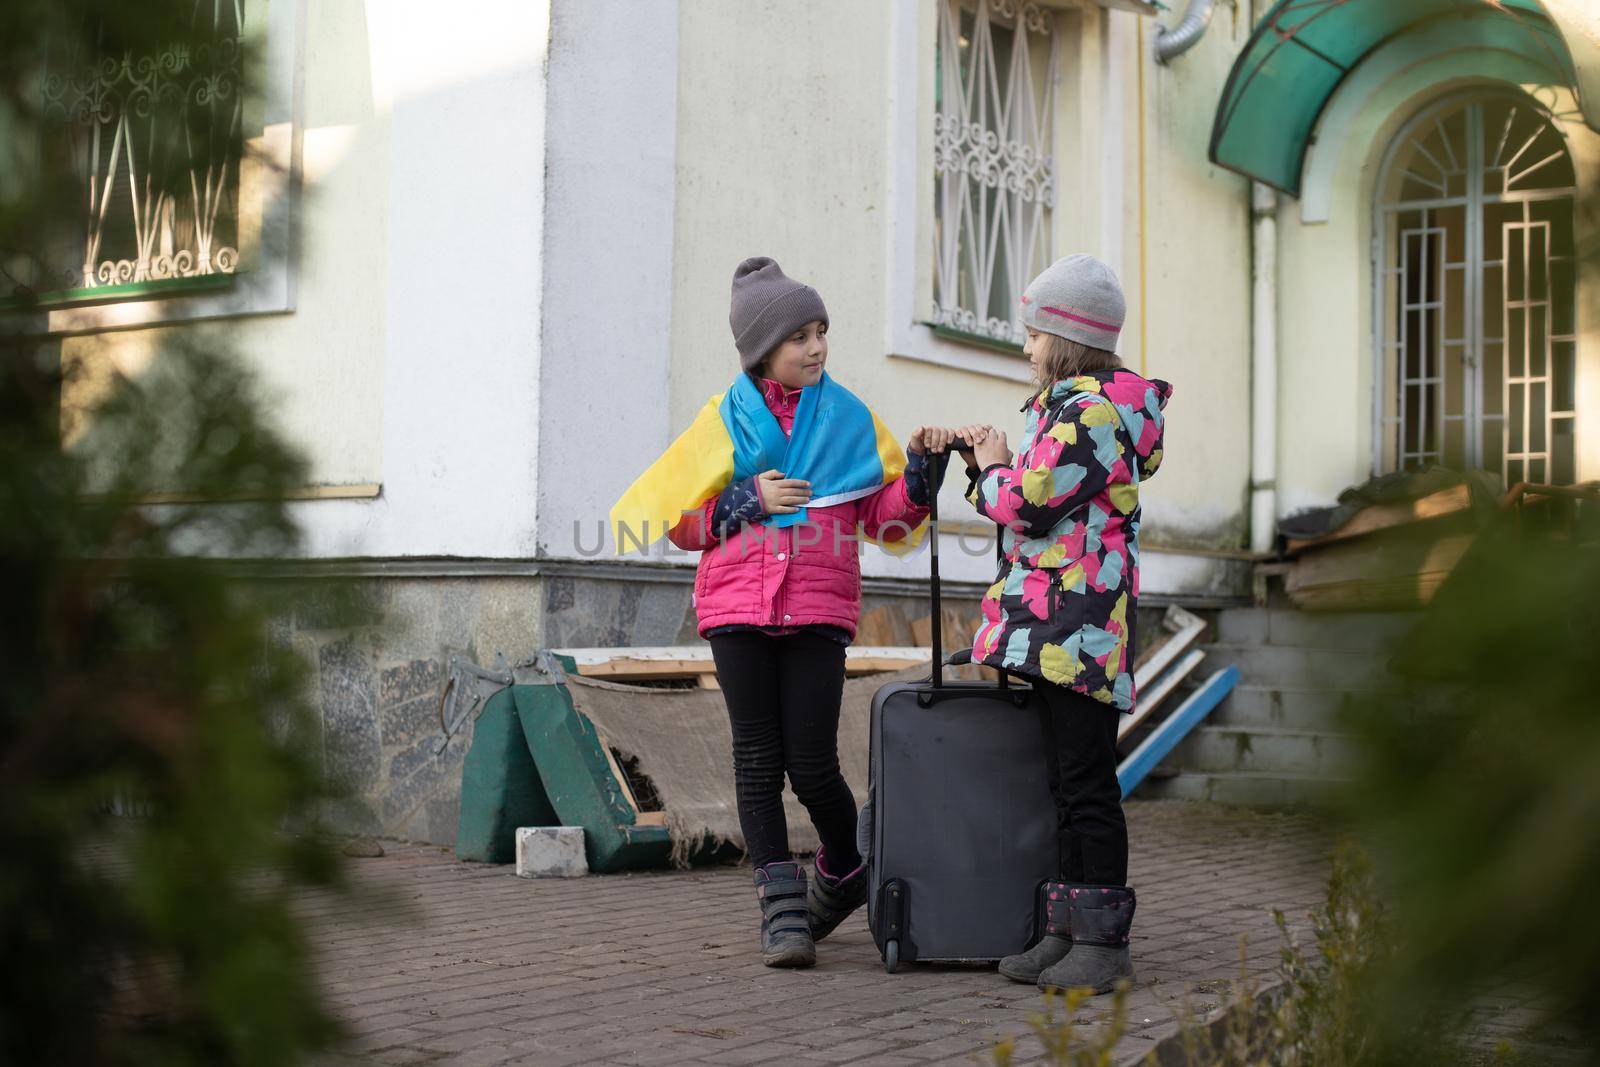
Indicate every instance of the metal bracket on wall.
{"type": "Point", "coordinates": [543, 669]}
{"type": "Point", "coordinates": [465, 691]}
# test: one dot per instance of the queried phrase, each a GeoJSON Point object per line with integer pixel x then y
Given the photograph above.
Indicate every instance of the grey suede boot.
{"type": "Point", "coordinates": [1052, 947]}
{"type": "Point", "coordinates": [1102, 916]}
{"type": "Point", "coordinates": [832, 899]}
{"type": "Point", "coordinates": [785, 931]}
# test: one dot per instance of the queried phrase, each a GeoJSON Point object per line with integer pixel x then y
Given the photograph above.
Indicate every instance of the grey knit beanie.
{"type": "Point", "coordinates": [768, 306]}
{"type": "Point", "coordinates": [1076, 297]}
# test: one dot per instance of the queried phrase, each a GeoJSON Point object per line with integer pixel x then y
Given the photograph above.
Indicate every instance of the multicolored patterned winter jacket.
{"type": "Point", "coordinates": [1062, 605]}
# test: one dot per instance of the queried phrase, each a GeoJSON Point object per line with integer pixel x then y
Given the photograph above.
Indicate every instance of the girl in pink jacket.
{"type": "Point", "coordinates": [778, 605]}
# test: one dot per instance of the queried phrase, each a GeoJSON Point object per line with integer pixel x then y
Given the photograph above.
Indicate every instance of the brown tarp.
{"type": "Point", "coordinates": [681, 739]}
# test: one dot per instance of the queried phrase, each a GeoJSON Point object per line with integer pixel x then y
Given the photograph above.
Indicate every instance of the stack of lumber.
{"type": "Point", "coordinates": [1390, 556]}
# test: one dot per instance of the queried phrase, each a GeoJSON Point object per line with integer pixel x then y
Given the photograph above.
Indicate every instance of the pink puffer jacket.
{"type": "Point", "coordinates": [806, 574]}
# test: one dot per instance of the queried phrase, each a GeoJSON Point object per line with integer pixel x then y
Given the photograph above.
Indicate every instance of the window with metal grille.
{"type": "Point", "coordinates": [994, 162]}
{"type": "Point", "coordinates": [155, 142]}
{"type": "Point", "coordinates": [1475, 271]}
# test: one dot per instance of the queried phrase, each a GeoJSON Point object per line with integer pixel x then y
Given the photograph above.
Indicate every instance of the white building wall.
{"type": "Point", "coordinates": [410, 359]}
{"type": "Point", "coordinates": [464, 179]}
{"type": "Point", "coordinates": [1196, 318]}
{"type": "Point", "coordinates": [605, 409]}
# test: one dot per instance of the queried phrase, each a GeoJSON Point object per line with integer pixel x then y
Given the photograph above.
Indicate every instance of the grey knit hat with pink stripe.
{"type": "Point", "coordinates": [1079, 298]}
{"type": "Point", "coordinates": [768, 306]}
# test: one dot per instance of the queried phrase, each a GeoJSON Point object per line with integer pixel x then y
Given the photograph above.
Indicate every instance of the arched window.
{"type": "Point", "coordinates": [1475, 273]}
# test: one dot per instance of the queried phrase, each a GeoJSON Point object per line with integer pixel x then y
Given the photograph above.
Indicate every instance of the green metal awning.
{"type": "Point", "coordinates": [1302, 49]}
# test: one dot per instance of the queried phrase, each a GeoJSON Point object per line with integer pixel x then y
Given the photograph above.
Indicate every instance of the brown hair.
{"type": "Point", "coordinates": [1068, 359]}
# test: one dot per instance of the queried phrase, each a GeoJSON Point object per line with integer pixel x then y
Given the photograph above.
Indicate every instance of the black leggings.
{"type": "Point", "coordinates": [1081, 745]}
{"type": "Point", "coordinates": [783, 702]}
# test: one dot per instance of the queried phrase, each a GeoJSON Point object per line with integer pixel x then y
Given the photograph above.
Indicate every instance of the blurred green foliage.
{"type": "Point", "coordinates": [136, 674]}
{"type": "Point", "coordinates": [1480, 788]}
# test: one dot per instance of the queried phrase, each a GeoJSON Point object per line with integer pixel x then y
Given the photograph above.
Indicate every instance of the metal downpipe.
{"type": "Point", "coordinates": [1263, 368]}
{"type": "Point", "coordinates": [1182, 37]}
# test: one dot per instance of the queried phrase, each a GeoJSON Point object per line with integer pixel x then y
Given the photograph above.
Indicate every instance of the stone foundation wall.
{"type": "Point", "coordinates": [379, 683]}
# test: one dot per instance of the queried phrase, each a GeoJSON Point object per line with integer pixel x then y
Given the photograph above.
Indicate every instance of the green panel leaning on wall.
{"type": "Point", "coordinates": [536, 761]}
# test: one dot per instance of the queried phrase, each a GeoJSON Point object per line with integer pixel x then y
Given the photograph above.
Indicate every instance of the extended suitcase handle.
{"type": "Point", "coordinates": [936, 464]}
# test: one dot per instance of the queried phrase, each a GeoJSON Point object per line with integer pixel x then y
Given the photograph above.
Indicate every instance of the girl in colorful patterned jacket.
{"type": "Point", "coordinates": [779, 605]}
{"type": "Point", "coordinates": [1062, 607]}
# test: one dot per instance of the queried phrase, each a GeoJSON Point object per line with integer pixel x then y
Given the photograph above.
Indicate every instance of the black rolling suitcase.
{"type": "Point", "coordinates": [960, 828]}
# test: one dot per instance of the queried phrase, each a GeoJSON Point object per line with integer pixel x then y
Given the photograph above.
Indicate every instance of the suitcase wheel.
{"type": "Point", "coordinates": [891, 956]}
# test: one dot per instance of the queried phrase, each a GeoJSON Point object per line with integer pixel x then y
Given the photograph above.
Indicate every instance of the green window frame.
{"type": "Point", "coordinates": [156, 142]}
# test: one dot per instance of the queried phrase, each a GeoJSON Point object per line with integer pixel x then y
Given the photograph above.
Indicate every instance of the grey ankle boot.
{"type": "Point", "coordinates": [1102, 916]}
{"type": "Point", "coordinates": [785, 930]}
{"type": "Point", "coordinates": [1052, 947]}
{"type": "Point", "coordinates": [832, 899]}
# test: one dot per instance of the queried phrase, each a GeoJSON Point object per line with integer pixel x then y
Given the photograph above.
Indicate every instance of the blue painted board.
{"type": "Point", "coordinates": [1164, 738]}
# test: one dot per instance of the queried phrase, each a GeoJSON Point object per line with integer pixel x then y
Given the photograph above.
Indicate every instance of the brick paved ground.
{"type": "Point", "coordinates": [465, 964]}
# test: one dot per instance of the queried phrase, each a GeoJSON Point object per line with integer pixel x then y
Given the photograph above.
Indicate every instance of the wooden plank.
{"type": "Point", "coordinates": [1377, 517]}
{"type": "Point", "coordinates": [883, 626]}
{"type": "Point", "coordinates": [1151, 698]}
{"type": "Point", "coordinates": [705, 672]}
{"type": "Point", "coordinates": [356, 491]}
{"type": "Point", "coordinates": [1398, 573]}
{"type": "Point", "coordinates": [958, 631]}
{"type": "Point", "coordinates": [646, 668]}
{"type": "Point", "coordinates": [881, 663]}
{"type": "Point", "coordinates": [616, 772]}
{"type": "Point", "coordinates": [911, 653]}
{"type": "Point", "coordinates": [1185, 628]}
{"type": "Point", "coordinates": [654, 666]}
{"type": "Point", "coordinates": [958, 628]}
{"type": "Point", "coordinates": [702, 652]}
{"type": "Point", "coordinates": [583, 656]}
{"type": "Point", "coordinates": [1142, 760]}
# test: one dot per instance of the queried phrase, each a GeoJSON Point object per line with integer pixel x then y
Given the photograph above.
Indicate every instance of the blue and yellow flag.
{"type": "Point", "coordinates": [837, 444]}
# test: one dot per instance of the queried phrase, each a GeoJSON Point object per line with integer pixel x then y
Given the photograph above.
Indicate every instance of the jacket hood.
{"type": "Point", "coordinates": [1139, 402]}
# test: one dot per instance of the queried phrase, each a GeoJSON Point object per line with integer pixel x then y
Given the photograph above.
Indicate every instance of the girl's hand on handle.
{"type": "Point", "coordinates": [992, 449]}
{"type": "Point", "coordinates": [969, 436]}
{"type": "Point", "coordinates": [780, 495]}
{"type": "Point", "coordinates": [934, 439]}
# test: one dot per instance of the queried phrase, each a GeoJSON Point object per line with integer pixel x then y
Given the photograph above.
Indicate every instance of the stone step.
{"type": "Point", "coordinates": [1355, 631]}
{"type": "Point", "coordinates": [1277, 740]}
{"type": "Point", "coordinates": [1264, 749]}
{"type": "Point", "coordinates": [1284, 667]}
{"type": "Point", "coordinates": [1322, 710]}
{"type": "Point", "coordinates": [1256, 790]}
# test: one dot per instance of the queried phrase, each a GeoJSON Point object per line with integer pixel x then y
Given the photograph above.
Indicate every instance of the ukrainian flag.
{"type": "Point", "coordinates": [837, 444]}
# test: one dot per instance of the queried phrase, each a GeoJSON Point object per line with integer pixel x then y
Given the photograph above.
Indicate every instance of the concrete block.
{"type": "Point", "coordinates": [1294, 667]}
{"type": "Point", "coordinates": [1321, 710]}
{"type": "Point", "coordinates": [1274, 750]}
{"type": "Point", "coordinates": [551, 852]}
